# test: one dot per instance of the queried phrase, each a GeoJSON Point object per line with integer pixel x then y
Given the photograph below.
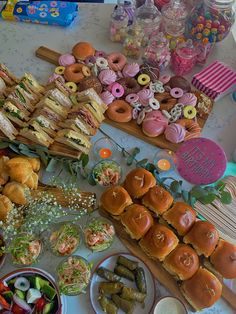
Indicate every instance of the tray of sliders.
{"type": "Point", "coordinates": [161, 110]}
{"type": "Point", "coordinates": [48, 116]}
{"type": "Point", "coordinates": [19, 186]}
{"type": "Point", "coordinates": [188, 256]}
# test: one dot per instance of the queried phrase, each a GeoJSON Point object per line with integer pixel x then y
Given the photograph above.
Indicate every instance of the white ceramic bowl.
{"type": "Point", "coordinates": [169, 304]}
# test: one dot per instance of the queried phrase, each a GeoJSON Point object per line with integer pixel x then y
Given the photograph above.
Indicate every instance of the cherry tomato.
{"type": "Point", "coordinates": [40, 304]}
{"type": "Point", "coordinates": [4, 152]}
{"type": "Point", "coordinates": [17, 310]}
{"type": "Point", "coordinates": [3, 288]}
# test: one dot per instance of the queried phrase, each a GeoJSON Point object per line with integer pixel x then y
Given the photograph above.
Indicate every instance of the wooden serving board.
{"type": "Point", "coordinates": [131, 127]}
{"type": "Point", "coordinates": [156, 267]}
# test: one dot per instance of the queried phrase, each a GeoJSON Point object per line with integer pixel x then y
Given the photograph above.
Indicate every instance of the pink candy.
{"type": "Point", "coordinates": [132, 98]}
{"type": "Point", "coordinates": [66, 59]}
{"type": "Point", "coordinates": [130, 70]}
{"type": "Point", "coordinates": [144, 96]}
{"type": "Point", "coordinates": [117, 90]}
{"type": "Point", "coordinates": [107, 77]}
{"type": "Point", "coordinates": [181, 64]}
{"type": "Point", "coordinates": [107, 97]}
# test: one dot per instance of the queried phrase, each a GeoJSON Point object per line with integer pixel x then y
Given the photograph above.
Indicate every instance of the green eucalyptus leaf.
{"type": "Point", "coordinates": [23, 147]}
{"type": "Point", "coordinates": [124, 154]}
{"type": "Point", "coordinates": [192, 200]}
{"type": "Point", "coordinates": [225, 197]}
{"type": "Point", "coordinates": [185, 196]}
{"type": "Point", "coordinates": [175, 187]}
{"type": "Point", "coordinates": [28, 153]}
{"type": "Point", "coordinates": [135, 152]}
{"type": "Point", "coordinates": [91, 180]}
{"type": "Point", "coordinates": [4, 145]}
{"type": "Point", "coordinates": [142, 163]}
{"type": "Point", "coordinates": [132, 156]}
{"type": "Point", "coordinates": [14, 148]}
{"type": "Point", "coordinates": [52, 165]}
{"type": "Point", "coordinates": [207, 199]}
{"type": "Point", "coordinates": [43, 156]}
{"type": "Point", "coordinates": [150, 167]}
{"type": "Point", "coordinates": [130, 160]}
{"type": "Point", "coordinates": [198, 191]}
{"type": "Point", "coordinates": [85, 160]}
{"type": "Point", "coordinates": [220, 185]}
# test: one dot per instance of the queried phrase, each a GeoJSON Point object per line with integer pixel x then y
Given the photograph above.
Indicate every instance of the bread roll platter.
{"type": "Point", "coordinates": [190, 257]}
{"type": "Point", "coordinates": [186, 114]}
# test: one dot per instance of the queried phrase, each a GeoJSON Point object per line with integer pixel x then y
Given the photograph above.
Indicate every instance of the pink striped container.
{"type": "Point", "coordinates": [216, 80]}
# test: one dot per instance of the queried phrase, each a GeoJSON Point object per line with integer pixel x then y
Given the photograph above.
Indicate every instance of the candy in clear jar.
{"type": "Point", "coordinates": [157, 52]}
{"type": "Point", "coordinates": [184, 58]}
{"type": "Point", "coordinates": [174, 16]}
{"type": "Point", "coordinates": [149, 19]}
{"type": "Point", "coordinates": [210, 21]}
{"type": "Point", "coordinates": [133, 41]}
{"type": "Point", "coordinates": [118, 24]}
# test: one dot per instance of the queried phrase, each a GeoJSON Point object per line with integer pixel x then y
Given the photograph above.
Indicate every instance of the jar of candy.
{"type": "Point", "coordinates": [184, 58]}
{"type": "Point", "coordinates": [132, 46]}
{"type": "Point", "coordinates": [157, 52]}
{"type": "Point", "coordinates": [210, 21]}
{"type": "Point", "coordinates": [129, 7]}
{"type": "Point", "coordinates": [118, 24]}
{"type": "Point", "coordinates": [174, 16]}
{"type": "Point", "coordinates": [149, 19]}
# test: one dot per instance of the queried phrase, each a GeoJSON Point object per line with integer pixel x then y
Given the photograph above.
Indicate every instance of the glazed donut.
{"type": "Point", "coordinates": [130, 85]}
{"type": "Point", "coordinates": [82, 50]}
{"type": "Point", "coordinates": [116, 61]}
{"type": "Point", "coordinates": [192, 128]}
{"type": "Point", "coordinates": [167, 102]}
{"type": "Point", "coordinates": [119, 111]}
{"type": "Point", "coordinates": [73, 73]}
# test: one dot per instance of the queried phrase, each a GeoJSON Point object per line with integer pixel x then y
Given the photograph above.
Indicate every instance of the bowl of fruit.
{"type": "Point", "coordinates": [29, 290]}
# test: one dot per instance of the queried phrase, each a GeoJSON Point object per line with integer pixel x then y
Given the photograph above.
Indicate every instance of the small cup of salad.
{"type": "Point", "coordinates": [99, 234]}
{"type": "Point", "coordinates": [25, 249]}
{"type": "Point", "coordinates": [106, 173]}
{"type": "Point", "coordinates": [74, 275]}
{"type": "Point", "coordinates": [64, 238]}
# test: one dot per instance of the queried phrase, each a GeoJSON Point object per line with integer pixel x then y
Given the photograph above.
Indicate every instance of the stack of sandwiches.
{"type": "Point", "coordinates": [47, 115]}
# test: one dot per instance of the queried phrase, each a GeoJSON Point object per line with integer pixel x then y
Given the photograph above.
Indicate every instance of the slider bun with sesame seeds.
{"type": "Point", "coordinates": [137, 220]}
{"type": "Point", "coordinates": [158, 200]}
{"type": "Point", "coordinates": [114, 200]}
{"type": "Point", "coordinates": [158, 242]}
{"type": "Point", "coordinates": [203, 236]}
{"type": "Point", "coordinates": [138, 182]}
{"type": "Point", "coordinates": [202, 290]}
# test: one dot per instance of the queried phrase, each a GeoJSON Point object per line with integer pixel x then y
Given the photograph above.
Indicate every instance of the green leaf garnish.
{"type": "Point", "coordinates": [225, 197]}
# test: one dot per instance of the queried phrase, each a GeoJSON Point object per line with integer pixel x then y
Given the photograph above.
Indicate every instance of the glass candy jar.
{"type": "Point", "coordinates": [157, 52]}
{"type": "Point", "coordinates": [133, 42]}
{"type": "Point", "coordinates": [149, 19]}
{"type": "Point", "coordinates": [184, 58]}
{"type": "Point", "coordinates": [118, 24]}
{"type": "Point", "coordinates": [210, 21]}
{"type": "Point", "coordinates": [174, 16]}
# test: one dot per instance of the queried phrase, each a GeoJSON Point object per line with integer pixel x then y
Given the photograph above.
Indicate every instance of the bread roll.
{"type": "Point", "coordinates": [20, 169]}
{"type": "Point", "coordinates": [203, 237]}
{"type": "Point", "coordinates": [181, 216]}
{"type": "Point", "coordinates": [32, 182]}
{"type": "Point", "coordinates": [5, 206]}
{"type": "Point", "coordinates": [158, 200]}
{"type": "Point", "coordinates": [224, 259]}
{"type": "Point", "coordinates": [18, 193]}
{"type": "Point", "coordinates": [4, 175]}
{"type": "Point", "coordinates": [182, 262]}
{"type": "Point", "coordinates": [35, 163]}
{"type": "Point", "coordinates": [202, 290]}
{"type": "Point", "coordinates": [138, 182]}
{"type": "Point", "coordinates": [137, 221]}
{"type": "Point", "coordinates": [159, 242]}
{"type": "Point", "coordinates": [115, 199]}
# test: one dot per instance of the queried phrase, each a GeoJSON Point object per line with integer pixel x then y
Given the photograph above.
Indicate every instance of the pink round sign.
{"type": "Point", "coordinates": [201, 161]}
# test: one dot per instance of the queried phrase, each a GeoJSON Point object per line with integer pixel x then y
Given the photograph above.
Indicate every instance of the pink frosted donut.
{"type": "Point", "coordinates": [116, 61]}
{"type": "Point", "coordinates": [66, 59]}
{"type": "Point", "coordinates": [131, 98]}
{"type": "Point", "coordinates": [117, 90]}
{"type": "Point", "coordinates": [154, 124]}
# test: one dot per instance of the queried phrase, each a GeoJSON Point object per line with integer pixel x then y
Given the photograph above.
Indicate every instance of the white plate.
{"type": "Point", "coordinates": [110, 263]}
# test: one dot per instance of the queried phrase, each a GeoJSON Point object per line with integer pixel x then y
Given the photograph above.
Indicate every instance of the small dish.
{"type": "Point", "coordinates": [106, 173]}
{"type": "Point", "coordinates": [104, 148]}
{"type": "Point", "coordinates": [64, 238]}
{"type": "Point", "coordinates": [73, 275]}
{"type": "Point", "coordinates": [38, 280]}
{"type": "Point", "coordinates": [99, 234]}
{"type": "Point", "coordinates": [109, 263]}
{"type": "Point", "coordinates": [171, 305]}
{"type": "Point", "coordinates": [25, 249]}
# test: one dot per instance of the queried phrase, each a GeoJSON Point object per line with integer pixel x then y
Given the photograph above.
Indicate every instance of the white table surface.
{"type": "Point", "coordinates": [18, 42]}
